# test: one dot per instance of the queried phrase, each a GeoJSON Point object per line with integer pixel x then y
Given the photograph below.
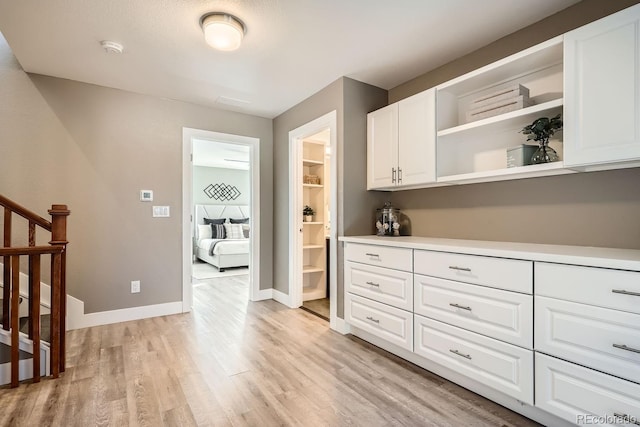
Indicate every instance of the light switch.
{"type": "Point", "coordinates": [161, 212]}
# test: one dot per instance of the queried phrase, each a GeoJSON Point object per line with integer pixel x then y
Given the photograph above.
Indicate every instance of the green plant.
{"type": "Point", "coordinates": [542, 129]}
{"type": "Point", "coordinates": [308, 210]}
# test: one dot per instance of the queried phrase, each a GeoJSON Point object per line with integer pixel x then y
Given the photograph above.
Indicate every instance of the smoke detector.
{"type": "Point", "coordinates": [111, 47]}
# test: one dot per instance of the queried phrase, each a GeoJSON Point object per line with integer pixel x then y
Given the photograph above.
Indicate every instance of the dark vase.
{"type": "Point", "coordinates": [544, 154]}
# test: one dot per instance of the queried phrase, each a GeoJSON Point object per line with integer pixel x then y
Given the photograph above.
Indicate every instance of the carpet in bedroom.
{"type": "Point", "coordinates": [202, 270]}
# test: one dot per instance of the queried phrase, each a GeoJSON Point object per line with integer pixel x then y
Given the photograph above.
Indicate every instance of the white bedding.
{"type": "Point", "coordinates": [226, 246]}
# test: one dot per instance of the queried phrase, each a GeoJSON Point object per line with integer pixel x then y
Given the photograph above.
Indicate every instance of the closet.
{"type": "Point", "coordinates": [315, 227]}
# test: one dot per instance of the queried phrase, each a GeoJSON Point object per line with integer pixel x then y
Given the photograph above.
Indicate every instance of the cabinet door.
{"type": "Point", "coordinates": [417, 139]}
{"type": "Point", "coordinates": [602, 91]}
{"type": "Point", "coordinates": [382, 147]}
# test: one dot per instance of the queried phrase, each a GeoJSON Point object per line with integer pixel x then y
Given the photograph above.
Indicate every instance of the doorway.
{"type": "Point", "coordinates": [313, 213]}
{"type": "Point", "coordinates": [217, 206]}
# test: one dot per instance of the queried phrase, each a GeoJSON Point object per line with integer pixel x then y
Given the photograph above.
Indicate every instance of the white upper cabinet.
{"type": "Point", "coordinates": [417, 139]}
{"type": "Point", "coordinates": [602, 91]}
{"type": "Point", "coordinates": [401, 143]}
{"type": "Point", "coordinates": [382, 147]}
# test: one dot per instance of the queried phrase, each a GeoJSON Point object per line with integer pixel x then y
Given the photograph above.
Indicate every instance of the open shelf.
{"type": "Point", "coordinates": [530, 171]}
{"type": "Point", "coordinates": [504, 121]}
{"type": "Point", "coordinates": [312, 269]}
{"type": "Point", "coordinates": [309, 162]}
{"type": "Point", "coordinates": [313, 223]}
{"type": "Point", "coordinates": [313, 185]}
{"type": "Point", "coordinates": [313, 247]}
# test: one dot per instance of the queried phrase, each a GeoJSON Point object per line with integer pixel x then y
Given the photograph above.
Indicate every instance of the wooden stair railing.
{"type": "Point", "coordinates": [11, 285]}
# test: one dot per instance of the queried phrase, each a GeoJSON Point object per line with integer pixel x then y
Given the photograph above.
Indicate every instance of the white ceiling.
{"type": "Point", "coordinates": [292, 48]}
{"type": "Point", "coordinates": [220, 154]}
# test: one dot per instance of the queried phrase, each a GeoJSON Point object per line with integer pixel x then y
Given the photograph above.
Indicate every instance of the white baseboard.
{"type": "Point", "coordinates": [340, 325]}
{"type": "Point", "coordinates": [263, 294]}
{"type": "Point", "coordinates": [283, 298]}
{"type": "Point", "coordinates": [124, 315]}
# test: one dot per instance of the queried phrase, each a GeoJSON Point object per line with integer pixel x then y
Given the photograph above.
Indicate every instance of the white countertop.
{"type": "Point", "coordinates": [623, 259]}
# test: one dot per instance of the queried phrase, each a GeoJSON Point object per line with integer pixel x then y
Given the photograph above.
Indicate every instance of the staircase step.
{"type": "Point", "coordinates": [5, 354]}
{"type": "Point", "coordinates": [45, 325]}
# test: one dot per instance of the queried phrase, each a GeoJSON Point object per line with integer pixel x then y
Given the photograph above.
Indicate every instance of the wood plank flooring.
{"type": "Point", "coordinates": [237, 363]}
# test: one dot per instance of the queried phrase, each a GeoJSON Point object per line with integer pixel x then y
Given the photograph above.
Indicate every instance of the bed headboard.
{"type": "Point", "coordinates": [220, 211]}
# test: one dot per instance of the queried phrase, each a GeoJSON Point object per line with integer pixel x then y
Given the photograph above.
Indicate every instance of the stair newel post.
{"type": "Point", "coordinates": [32, 242]}
{"type": "Point", "coordinates": [59, 214]}
{"type": "Point", "coordinates": [6, 289]}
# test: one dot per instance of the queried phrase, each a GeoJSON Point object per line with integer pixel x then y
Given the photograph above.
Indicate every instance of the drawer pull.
{"type": "Point", "coordinates": [373, 255]}
{"type": "Point", "coordinates": [459, 306]}
{"type": "Point", "coordinates": [457, 353]}
{"type": "Point", "coordinates": [453, 267]}
{"type": "Point", "coordinates": [624, 347]}
{"type": "Point", "coordinates": [627, 419]}
{"type": "Point", "coordinates": [377, 285]}
{"type": "Point", "coordinates": [622, 291]}
{"type": "Point", "coordinates": [373, 320]}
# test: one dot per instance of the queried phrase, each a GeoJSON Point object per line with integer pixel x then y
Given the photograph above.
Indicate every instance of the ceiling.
{"type": "Point", "coordinates": [220, 154]}
{"type": "Point", "coordinates": [292, 48]}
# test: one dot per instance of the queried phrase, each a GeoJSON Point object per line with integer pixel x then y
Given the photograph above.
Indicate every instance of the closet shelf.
{"type": "Point", "coordinates": [312, 269]}
{"type": "Point", "coordinates": [313, 185]}
{"type": "Point", "coordinates": [309, 162]}
{"type": "Point", "coordinates": [312, 247]}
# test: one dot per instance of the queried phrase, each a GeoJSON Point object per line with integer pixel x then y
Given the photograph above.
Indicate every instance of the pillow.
{"type": "Point", "coordinates": [245, 230]}
{"type": "Point", "coordinates": [204, 231]}
{"type": "Point", "coordinates": [239, 220]}
{"type": "Point", "coordinates": [214, 221]}
{"type": "Point", "coordinates": [234, 231]}
{"type": "Point", "coordinates": [218, 231]}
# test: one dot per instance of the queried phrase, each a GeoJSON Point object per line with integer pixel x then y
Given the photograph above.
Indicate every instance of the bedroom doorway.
{"type": "Point", "coordinates": [221, 219]}
{"type": "Point", "coordinates": [313, 213]}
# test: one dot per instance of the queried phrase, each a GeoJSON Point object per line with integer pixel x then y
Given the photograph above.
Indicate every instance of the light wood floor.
{"type": "Point", "coordinates": [232, 362]}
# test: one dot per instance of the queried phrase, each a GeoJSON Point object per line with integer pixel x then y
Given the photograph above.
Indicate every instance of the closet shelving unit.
{"type": "Point", "coordinates": [314, 243]}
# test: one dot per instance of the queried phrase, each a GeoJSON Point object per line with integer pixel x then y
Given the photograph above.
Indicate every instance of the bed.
{"type": "Point", "coordinates": [228, 252]}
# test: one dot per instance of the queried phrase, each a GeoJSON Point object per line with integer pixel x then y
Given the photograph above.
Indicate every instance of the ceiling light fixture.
{"type": "Point", "coordinates": [222, 31]}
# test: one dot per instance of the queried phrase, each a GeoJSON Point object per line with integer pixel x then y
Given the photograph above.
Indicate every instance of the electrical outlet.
{"type": "Point", "coordinates": [135, 286]}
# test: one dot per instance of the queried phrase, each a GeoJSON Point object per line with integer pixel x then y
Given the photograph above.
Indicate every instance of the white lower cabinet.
{"type": "Point", "coordinates": [507, 316]}
{"type": "Point", "coordinates": [381, 320]}
{"type": "Point", "coordinates": [584, 396]}
{"type": "Point", "coordinates": [550, 332]}
{"type": "Point", "coordinates": [384, 285]}
{"type": "Point", "coordinates": [502, 366]}
{"type": "Point", "coordinates": [599, 338]}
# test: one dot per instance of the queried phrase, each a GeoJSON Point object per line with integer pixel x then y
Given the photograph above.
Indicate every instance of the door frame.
{"type": "Point", "coordinates": [188, 134]}
{"type": "Point", "coordinates": [327, 121]}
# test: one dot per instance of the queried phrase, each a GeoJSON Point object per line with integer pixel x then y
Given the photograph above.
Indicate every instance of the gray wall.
{"type": "Point", "coordinates": [352, 100]}
{"type": "Point", "coordinates": [589, 209]}
{"type": "Point", "coordinates": [203, 176]}
{"type": "Point", "coordinates": [94, 148]}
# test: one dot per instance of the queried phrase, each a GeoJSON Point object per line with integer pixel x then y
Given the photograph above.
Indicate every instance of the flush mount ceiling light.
{"type": "Point", "coordinates": [222, 31]}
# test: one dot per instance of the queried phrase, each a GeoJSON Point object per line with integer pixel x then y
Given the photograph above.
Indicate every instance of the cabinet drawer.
{"type": "Point", "coordinates": [381, 320]}
{"type": "Point", "coordinates": [507, 316]}
{"type": "Point", "coordinates": [380, 256]}
{"type": "Point", "coordinates": [502, 273]}
{"type": "Point", "coordinates": [384, 285]}
{"type": "Point", "coordinates": [602, 339]}
{"type": "Point", "coordinates": [578, 394]}
{"type": "Point", "coordinates": [502, 366]}
{"type": "Point", "coordinates": [617, 289]}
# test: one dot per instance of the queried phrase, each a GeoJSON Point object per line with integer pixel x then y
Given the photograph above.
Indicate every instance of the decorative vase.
{"type": "Point", "coordinates": [308, 218]}
{"type": "Point", "coordinates": [544, 154]}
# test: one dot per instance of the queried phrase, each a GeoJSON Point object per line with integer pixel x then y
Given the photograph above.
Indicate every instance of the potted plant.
{"type": "Point", "coordinates": [308, 213]}
{"type": "Point", "coordinates": [540, 131]}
